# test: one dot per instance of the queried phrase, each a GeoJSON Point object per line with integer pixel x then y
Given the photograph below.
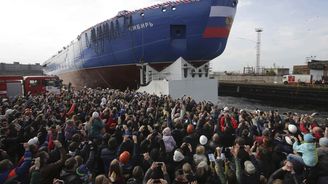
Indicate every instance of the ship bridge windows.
{"type": "Point", "coordinates": [178, 31]}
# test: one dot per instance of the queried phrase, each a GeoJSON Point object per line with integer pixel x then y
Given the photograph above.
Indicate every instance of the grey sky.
{"type": "Point", "coordinates": [34, 30]}
{"type": "Point", "coordinates": [293, 30]}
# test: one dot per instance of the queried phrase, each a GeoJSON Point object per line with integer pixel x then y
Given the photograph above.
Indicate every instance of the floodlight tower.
{"type": "Point", "coordinates": [258, 49]}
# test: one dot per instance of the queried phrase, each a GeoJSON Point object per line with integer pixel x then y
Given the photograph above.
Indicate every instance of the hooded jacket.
{"type": "Point", "coordinates": [169, 143]}
{"type": "Point", "coordinates": [309, 153]}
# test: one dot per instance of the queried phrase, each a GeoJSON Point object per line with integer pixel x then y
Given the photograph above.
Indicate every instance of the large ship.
{"type": "Point", "coordinates": [110, 53]}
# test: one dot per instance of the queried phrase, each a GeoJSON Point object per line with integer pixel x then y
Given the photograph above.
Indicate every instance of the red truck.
{"type": "Point", "coordinates": [12, 86]}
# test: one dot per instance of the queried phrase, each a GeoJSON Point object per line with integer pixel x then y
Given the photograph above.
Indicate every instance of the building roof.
{"type": "Point", "coordinates": [318, 64]}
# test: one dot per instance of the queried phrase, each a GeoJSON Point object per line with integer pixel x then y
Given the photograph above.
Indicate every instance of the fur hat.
{"type": "Point", "coordinates": [178, 156]}
{"type": "Point", "coordinates": [323, 142]}
{"type": "Point", "coordinates": [292, 128]}
{"type": "Point", "coordinates": [249, 167]}
{"type": "Point", "coordinates": [203, 140]}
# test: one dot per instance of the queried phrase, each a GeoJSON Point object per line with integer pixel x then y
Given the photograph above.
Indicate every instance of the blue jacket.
{"type": "Point", "coordinates": [309, 153]}
{"type": "Point", "coordinates": [19, 172]}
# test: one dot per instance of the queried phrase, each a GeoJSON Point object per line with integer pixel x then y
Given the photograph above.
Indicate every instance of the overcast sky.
{"type": "Point", "coordinates": [34, 30]}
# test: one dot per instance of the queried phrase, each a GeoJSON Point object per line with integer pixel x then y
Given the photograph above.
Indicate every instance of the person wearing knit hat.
{"type": "Point", "coordinates": [124, 157]}
{"type": "Point", "coordinates": [322, 166]}
{"type": "Point", "coordinates": [291, 173]}
{"type": "Point", "coordinates": [248, 172]}
{"type": "Point", "coordinates": [203, 140]}
{"type": "Point", "coordinates": [323, 142]}
{"type": "Point", "coordinates": [190, 129]}
{"type": "Point", "coordinates": [308, 150]}
{"type": "Point", "coordinates": [308, 138]}
{"type": "Point", "coordinates": [323, 149]}
{"type": "Point", "coordinates": [96, 126]}
{"type": "Point", "coordinates": [83, 172]}
{"type": "Point", "coordinates": [178, 156]}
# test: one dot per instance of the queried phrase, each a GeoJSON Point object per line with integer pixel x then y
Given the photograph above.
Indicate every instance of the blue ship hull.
{"type": "Point", "coordinates": [108, 53]}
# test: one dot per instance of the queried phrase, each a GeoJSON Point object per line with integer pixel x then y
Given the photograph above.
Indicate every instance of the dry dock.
{"type": "Point", "coordinates": [312, 95]}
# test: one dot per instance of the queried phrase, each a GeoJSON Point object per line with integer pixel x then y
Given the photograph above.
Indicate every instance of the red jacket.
{"type": "Point", "coordinates": [221, 122]}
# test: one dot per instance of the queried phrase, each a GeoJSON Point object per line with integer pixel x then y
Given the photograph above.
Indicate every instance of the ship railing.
{"type": "Point", "coordinates": [169, 3]}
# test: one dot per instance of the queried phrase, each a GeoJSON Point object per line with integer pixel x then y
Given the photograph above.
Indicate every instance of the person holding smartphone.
{"type": "Point", "coordinates": [157, 173]}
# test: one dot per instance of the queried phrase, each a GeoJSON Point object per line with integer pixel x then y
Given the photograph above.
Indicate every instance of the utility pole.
{"type": "Point", "coordinates": [258, 49]}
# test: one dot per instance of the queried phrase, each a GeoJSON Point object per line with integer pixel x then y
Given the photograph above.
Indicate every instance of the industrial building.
{"type": "Point", "coordinates": [319, 69]}
{"type": "Point", "coordinates": [20, 69]}
{"type": "Point", "coordinates": [301, 69]}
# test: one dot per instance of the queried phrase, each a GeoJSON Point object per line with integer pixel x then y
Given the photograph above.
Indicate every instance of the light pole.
{"type": "Point", "coordinates": [258, 49]}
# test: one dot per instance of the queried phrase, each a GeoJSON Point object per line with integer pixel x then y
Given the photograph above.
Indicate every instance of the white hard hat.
{"type": "Point", "coordinates": [292, 128]}
{"type": "Point", "coordinates": [203, 140]}
{"type": "Point", "coordinates": [226, 109]}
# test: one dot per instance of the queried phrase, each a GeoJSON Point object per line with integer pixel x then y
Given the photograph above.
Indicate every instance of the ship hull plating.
{"type": "Point", "coordinates": [108, 53]}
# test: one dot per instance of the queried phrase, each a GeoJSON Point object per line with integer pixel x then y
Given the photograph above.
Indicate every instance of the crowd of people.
{"type": "Point", "coordinates": [106, 136]}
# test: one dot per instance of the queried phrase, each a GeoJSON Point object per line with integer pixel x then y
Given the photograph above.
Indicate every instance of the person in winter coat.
{"type": "Point", "coordinates": [308, 150]}
{"type": "Point", "coordinates": [323, 160]}
{"type": "Point", "coordinates": [168, 139]}
{"type": "Point", "coordinates": [68, 174]}
{"type": "Point", "coordinates": [9, 173]}
{"type": "Point", "coordinates": [115, 174]}
{"type": "Point", "coordinates": [96, 126]}
{"type": "Point", "coordinates": [70, 130]}
{"type": "Point", "coordinates": [226, 127]}
{"type": "Point", "coordinates": [290, 173]}
{"type": "Point", "coordinates": [49, 171]}
{"type": "Point", "coordinates": [108, 154]}
{"type": "Point", "coordinates": [200, 155]}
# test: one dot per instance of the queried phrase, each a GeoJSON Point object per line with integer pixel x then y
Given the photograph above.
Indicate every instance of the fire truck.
{"type": "Point", "coordinates": [12, 86]}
